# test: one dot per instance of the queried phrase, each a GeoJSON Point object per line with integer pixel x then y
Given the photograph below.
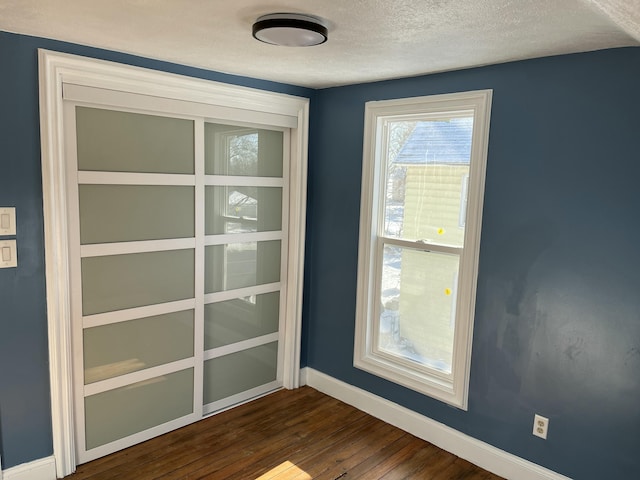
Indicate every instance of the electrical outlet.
{"type": "Point", "coordinates": [540, 426]}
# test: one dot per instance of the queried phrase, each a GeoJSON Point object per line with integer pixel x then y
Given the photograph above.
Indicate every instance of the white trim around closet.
{"type": "Point", "coordinates": [57, 70]}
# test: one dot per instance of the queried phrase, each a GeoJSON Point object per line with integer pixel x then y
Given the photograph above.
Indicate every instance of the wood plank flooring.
{"type": "Point", "coordinates": [288, 435]}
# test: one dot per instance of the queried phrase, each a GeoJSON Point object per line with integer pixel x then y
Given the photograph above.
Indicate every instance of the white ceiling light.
{"type": "Point", "coordinates": [290, 30]}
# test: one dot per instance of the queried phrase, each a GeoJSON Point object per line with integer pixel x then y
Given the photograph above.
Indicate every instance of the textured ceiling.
{"type": "Point", "coordinates": [368, 39]}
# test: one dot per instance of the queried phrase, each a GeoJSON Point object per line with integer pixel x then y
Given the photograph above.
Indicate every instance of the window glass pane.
{"type": "Point", "coordinates": [124, 411]}
{"type": "Point", "coordinates": [427, 175]}
{"type": "Point", "coordinates": [116, 282]}
{"type": "Point", "coordinates": [237, 372]}
{"type": "Point", "coordinates": [243, 209]}
{"type": "Point", "coordinates": [125, 347]}
{"type": "Point", "coordinates": [112, 141]}
{"type": "Point", "coordinates": [418, 298]}
{"type": "Point", "coordinates": [123, 213]}
{"type": "Point", "coordinates": [240, 319]}
{"type": "Point", "coordinates": [238, 265]}
{"type": "Point", "coordinates": [233, 150]}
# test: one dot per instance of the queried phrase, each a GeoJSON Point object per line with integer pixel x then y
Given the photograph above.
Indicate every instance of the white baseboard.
{"type": "Point", "coordinates": [479, 453]}
{"type": "Point", "coordinates": [43, 469]}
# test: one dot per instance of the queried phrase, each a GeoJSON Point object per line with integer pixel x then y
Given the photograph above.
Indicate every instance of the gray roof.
{"type": "Point", "coordinates": [438, 142]}
{"type": "Point", "coordinates": [239, 198]}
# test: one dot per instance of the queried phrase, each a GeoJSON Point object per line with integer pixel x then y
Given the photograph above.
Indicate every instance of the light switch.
{"type": "Point", "coordinates": [7, 220]}
{"type": "Point", "coordinates": [9, 256]}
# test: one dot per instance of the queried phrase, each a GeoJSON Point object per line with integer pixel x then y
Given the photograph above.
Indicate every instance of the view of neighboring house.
{"type": "Point", "coordinates": [426, 200]}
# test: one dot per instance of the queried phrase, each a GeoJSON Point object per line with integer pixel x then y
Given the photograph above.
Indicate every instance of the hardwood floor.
{"type": "Point", "coordinates": [288, 435]}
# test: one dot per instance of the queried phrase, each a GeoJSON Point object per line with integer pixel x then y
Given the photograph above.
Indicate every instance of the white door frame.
{"type": "Point", "coordinates": [58, 71]}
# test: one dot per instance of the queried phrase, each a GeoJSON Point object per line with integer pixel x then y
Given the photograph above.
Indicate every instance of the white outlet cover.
{"type": "Point", "coordinates": [540, 426]}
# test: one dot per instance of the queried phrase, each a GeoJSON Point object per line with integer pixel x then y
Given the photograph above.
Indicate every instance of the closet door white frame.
{"type": "Point", "coordinates": [73, 77]}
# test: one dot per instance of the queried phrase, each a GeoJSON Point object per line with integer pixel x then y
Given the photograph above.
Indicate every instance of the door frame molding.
{"type": "Point", "coordinates": [57, 69]}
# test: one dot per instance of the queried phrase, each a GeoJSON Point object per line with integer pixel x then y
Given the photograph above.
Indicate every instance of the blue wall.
{"type": "Point", "coordinates": [557, 325]}
{"type": "Point", "coordinates": [558, 310]}
{"type": "Point", "coordinates": [25, 409]}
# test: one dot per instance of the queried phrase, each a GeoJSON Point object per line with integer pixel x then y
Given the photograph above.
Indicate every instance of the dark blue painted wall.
{"type": "Point", "coordinates": [558, 311]}
{"type": "Point", "coordinates": [25, 409]}
{"type": "Point", "coordinates": [557, 325]}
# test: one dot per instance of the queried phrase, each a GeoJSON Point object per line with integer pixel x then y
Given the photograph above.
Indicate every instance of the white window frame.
{"type": "Point", "coordinates": [449, 388]}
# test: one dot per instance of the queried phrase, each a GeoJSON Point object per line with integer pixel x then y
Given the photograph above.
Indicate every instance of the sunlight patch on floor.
{"type": "Point", "coordinates": [286, 470]}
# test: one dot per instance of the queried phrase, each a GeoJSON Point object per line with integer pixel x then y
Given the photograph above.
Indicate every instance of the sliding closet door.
{"type": "Point", "coordinates": [178, 229]}
{"type": "Point", "coordinates": [134, 276]}
{"type": "Point", "coordinates": [245, 240]}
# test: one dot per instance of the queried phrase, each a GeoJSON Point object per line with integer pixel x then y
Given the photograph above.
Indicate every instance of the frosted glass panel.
{"type": "Point", "coordinates": [243, 209]}
{"type": "Point", "coordinates": [122, 213]}
{"type": "Point", "coordinates": [116, 282]}
{"type": "Point", "coordinates": [233, 150]}
{"type": "Point", "coordinates": [121, 348]}
{"type": "Point", "coordinates": [124, 411]}
{"type": "Point", "coordinates": [240, 319]}
{"type": "Point", "coordinates": [238, 265]}
{"type": "Point", "coordinates": [237, 372]}
{"type": "Point", "coordinates": [113, 141]}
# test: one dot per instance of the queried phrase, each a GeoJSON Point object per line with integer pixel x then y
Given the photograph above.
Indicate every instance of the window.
{"type": "Point", "coordinates": [422, 190]}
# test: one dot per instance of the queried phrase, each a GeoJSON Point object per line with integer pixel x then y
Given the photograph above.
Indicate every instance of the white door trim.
{"type": "Point", "coordinates": [56, 70]}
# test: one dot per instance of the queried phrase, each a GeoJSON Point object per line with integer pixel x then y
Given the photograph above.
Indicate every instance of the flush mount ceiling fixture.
{"type": "Point", "coordinates": [290, 30]}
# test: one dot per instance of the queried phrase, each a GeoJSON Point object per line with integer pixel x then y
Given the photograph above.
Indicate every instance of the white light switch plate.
{"type": "Point", "coordinates": [7, 220]}
{"type": "Point", "coordinates": [8, 254]}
